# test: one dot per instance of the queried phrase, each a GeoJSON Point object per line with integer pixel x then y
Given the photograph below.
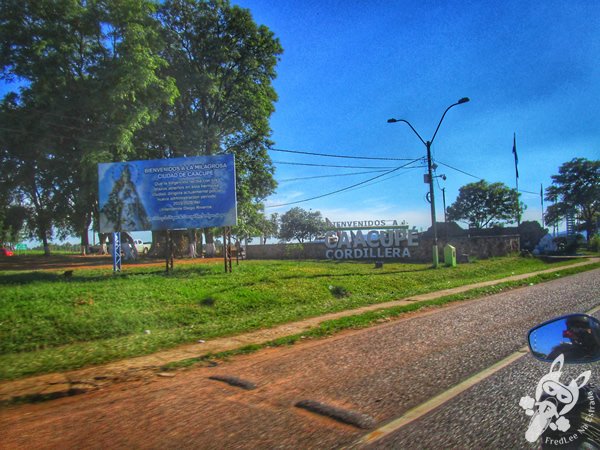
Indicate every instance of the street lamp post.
{"type": "Point", "coordinates": [435, 255]}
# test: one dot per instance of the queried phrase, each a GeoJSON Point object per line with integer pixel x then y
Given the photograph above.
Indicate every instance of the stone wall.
{"type": "Point", "coordinates": [481, 247]}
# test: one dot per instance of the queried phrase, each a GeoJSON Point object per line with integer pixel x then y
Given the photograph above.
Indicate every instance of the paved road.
{"type": "Point", "coordinates": [375, 375]}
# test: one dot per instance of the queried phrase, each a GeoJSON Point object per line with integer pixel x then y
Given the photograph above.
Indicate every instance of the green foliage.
{"type": "Point", "coordinates": [576, 190]}
{"type": "Point", "coordinates": [531, 232]}
{"type": "Point", "coordinates": [294, 251]}
{"type": "Point", "coordinates": [91, 80]}
{"type": "Point", "coordinates": [12, 223]}
{"type": "Point", "coordinates": [300, 224]}
{"type": "Point", "coordinates": [569, 245]}
{"type": "Point", "coordinates": [223, 64]}
{"type": "Point", "coordinates": [483, 204]}
{"type": "Point", "coordinates": [594, 243]}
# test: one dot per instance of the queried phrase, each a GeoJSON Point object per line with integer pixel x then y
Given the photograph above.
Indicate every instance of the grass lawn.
{"type": "Point", "coordinates": [50, 323]}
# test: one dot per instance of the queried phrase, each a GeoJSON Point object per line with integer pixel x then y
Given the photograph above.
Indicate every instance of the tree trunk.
{"type": "Point", "coordinates": [46, 246]}
{"type": "Point", "coordinates": [210, 243]}
{"type": "Point", "coordinates": [199, 244]}
{"type": "Point", "coordinates": [192, 242]}
{"type": "Point", "coordinates": [85, 244]}
{"type": "Point", "coordinates": [159, 242]}
{"type": "Point", "coordinates": [102, 242]}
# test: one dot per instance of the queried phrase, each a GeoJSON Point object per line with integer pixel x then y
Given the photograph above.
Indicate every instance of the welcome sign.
{"type": "Point", "coordinates": [167, 194]}
{"type": "Point", "coordinates": [386, 241]}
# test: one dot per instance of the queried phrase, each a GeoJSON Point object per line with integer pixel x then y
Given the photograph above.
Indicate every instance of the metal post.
{"type": "Point", "coordinates": [444, 202]}
{"type": "Point", "coordinates": [227, 249]}
{"type": "Point", "coordinates": [542, 201]}
{"type": "Point", "coordinates": [169, 252]}
{"type": "Point", "coordinates": [435, 254]}
{"type": "Point", "coordinates": [116, 252]}
{"type": "Point", "coordinates": [518, 206]}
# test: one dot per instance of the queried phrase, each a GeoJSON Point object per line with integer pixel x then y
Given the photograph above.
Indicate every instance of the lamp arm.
{"type": "Point", "coordinates": [442, 119]}
{"type": "Point", "coordinates": [413, 128]}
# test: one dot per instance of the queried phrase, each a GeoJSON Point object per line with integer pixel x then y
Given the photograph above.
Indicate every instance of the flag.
{"type": "Point", "coordinates": [515, 153]}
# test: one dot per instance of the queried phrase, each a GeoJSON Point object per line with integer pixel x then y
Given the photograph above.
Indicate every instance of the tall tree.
{"type": "Point", "coordinates": [576, 190]}
{"type": "Point", "coordinates": [223, 64]}
{"type": "Point", "coordinates": [89, 72]}
{"type": "Point", "coordinates": [483, 204]}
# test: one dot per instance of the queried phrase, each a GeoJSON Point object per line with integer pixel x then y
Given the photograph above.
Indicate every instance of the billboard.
{"type": "Point", "coordinates": [167, 194]}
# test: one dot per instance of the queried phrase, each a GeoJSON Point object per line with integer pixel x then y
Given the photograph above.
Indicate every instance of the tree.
{"type": "Point", "coordinates": [483, 205]}
{"type": "Point", "coordinates": [300, 224]}
{"type": "Point", "coordinates": [270, 227]}
{"type": "Point", "coordinates": [223, 64]}
{"type": "Point", "coordinates": [90, 82]}
{"type": "Point", "coordinates": [576, 190]}
{"type": "Point", "coordinates": [31, 173]}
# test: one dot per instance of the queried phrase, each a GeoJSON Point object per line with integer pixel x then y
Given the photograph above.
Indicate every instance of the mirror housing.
{"type": "Point", "coordinates": [576, 336]}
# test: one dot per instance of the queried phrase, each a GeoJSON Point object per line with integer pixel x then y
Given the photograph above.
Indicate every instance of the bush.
{"type": "Point", "coordinates": [568, 245]}
{"type": "Point", "coordinates": [295, 251]}
{"type": "Point", "coordinates": [339, 291]}
{"type": "Point", "coordinates": [594, 244]}
{"type": "Point", "coordinates": [531, 232]}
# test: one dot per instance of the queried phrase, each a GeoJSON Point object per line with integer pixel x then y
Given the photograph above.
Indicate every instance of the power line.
{"type": "Point", "coordinates": [474, 176]}
{"type": "Point", "coordinates": [385, 179]}
{"type": "Point", "coordinates": [331, 175]}
{"type": "Point", "coordinates": [333, 165]}
{"type": "Point", "coordinates": [459, 170]}
{"type": "Point", "coordinates": [338, 156]}
{"type": "Point", "coordinates": [346, 188]}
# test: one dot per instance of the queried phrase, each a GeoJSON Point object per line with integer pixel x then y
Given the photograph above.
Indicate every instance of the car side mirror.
{"type": "Point", "coordinates": [576, 336]}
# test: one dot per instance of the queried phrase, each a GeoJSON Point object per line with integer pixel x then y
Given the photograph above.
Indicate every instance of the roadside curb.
{"type": "Point", "coordinates": [57, 385]}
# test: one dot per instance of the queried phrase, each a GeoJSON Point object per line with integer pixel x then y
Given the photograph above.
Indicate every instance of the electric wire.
{"type": "Point", "coordinates": [408, 169]}
{"type": "Point", "coordinates": [459, 170]}
{"type": "Point", "coordinates": [479, 178]}
{"type": "Point", "coordinates": [345, 188]}
{"type": "Point", "coordinates": [331, 175]}
{"type": "Point", "coordinates": [332, 165]}
{"type": "Point", "coordinates": [330, 155]}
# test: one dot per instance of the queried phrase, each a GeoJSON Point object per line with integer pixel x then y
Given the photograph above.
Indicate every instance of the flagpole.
{"type": "Point", "coordinates": [517, 177]}
{"type": "Point", "coordinates": [542, 200]}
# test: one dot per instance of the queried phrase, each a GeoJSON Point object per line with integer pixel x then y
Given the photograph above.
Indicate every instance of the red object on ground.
{"type": "Point", "coordinates": [6, 252]}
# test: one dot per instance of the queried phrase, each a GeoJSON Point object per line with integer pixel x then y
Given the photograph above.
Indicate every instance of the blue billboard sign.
{"type": "Point", "coordinates": [167, 194]}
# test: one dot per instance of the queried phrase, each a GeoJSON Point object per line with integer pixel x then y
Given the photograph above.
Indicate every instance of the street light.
{"type": "Point", "coordinates": [430, 174]}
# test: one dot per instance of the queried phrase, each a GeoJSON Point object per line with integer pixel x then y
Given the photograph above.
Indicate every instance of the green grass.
{"type": "Point", "coordinates": [49, 323]}
{"type": "Point", "coordinates": [370, 318]}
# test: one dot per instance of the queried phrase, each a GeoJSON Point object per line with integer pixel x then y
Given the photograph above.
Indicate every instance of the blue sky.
{"type": "Point", "coordinates": [529, 68]}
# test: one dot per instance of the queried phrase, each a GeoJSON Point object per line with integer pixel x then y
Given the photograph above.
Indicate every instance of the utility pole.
{"type": "Point", "coordinates": [517, 177]}
{"type": "Point", "coordinates": [444, 202]}
{"type": "Point", "coordinates": [435, 252]}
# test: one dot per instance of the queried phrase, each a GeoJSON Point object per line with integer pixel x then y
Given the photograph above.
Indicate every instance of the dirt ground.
{"type": "Point", "coordinates": [71, 262]}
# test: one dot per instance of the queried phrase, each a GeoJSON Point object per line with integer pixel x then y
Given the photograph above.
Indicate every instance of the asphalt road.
{"type": "Point", "coordinates": [369, 377]}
